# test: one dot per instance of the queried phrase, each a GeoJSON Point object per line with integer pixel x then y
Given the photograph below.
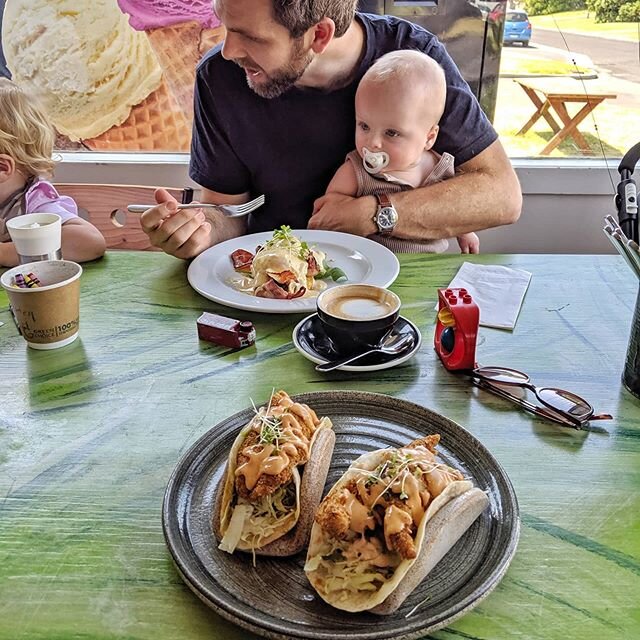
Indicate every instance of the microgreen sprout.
{"type": "Point", "coordinates": [270, 426]}
{"type": "Point", "coordinates": [396, 467]}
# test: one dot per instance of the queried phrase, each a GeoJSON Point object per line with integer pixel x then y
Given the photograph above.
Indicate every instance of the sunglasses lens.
{"type": "Point", "coordinates": [566, 402]}
{"type": "Point", "coordinates": [502, 375]}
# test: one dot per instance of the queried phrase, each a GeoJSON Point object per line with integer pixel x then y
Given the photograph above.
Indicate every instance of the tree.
{"type": "Point", "coordinates": [543, 7]}
{"type": "Point", "coordinates": [615, 10]}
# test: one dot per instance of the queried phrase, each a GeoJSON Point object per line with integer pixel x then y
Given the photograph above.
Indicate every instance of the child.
{"type": "Point", "coordinates": [399, 102]}
{"type": "Point", "coordinates": [26, 147]}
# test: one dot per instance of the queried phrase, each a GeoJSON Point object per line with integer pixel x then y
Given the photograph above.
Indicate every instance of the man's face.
{"type": "Point", "coordinates": [393, 120]}
{"type": "Point", "coordinates": [273, 62]}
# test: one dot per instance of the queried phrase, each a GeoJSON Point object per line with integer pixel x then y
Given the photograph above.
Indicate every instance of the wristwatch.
{"type": "Point", "coordinates": [386, 217]}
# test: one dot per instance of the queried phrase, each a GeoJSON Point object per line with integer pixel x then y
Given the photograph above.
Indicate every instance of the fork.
{"type": "Point", "coordinates": [228, 210]}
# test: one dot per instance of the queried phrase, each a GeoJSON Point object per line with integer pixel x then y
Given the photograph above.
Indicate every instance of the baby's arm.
{"type": "Point", "coordinates": [81, 241]}
{"type": "Point", "coordinates": [469, 243]}
{"type": "Point", "coordinates": [344, 181]}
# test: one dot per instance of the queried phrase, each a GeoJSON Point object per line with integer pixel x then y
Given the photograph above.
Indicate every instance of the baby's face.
{"type": "Point", "coordinates": [393, 122]}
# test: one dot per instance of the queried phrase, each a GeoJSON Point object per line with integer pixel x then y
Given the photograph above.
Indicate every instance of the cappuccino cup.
{"type": "Point", "coordinates": [356, 316]}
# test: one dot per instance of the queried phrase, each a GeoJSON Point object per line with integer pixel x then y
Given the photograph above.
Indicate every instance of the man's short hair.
{"type": "Point", "coordinates": [299, 15]}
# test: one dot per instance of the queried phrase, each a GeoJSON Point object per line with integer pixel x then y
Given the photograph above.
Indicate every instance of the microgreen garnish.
{"type": "Point", "coordinates": [270, 426]}
{"type": "Point", "coordinates": [283, 233]}
{"type": "Point", "coordinates": [304, 250]}
{"type": "Point", "coordinates": [396, 467]}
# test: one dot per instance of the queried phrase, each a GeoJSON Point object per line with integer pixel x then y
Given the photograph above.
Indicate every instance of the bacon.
{"type": "Point", "coordinates": [271, 289]}
{"type": "Point", "coordinates": [284, 277]}
{"type": "Point", "coordinates": [242, 260]}
{"type": "Point", "coordinates": [313, 268]}
{"type": "Point", "coordinates": [297, 294]}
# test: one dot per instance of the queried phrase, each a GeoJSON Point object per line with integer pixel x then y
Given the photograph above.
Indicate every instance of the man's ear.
{"type": "Point", "coordinates": [7, 167]}
{"type": "Point", "coordinates": [431, 137]}
{"type": "Point", "coordinates": [322, 33]}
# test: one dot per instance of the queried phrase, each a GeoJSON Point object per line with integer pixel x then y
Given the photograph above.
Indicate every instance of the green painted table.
{"type": "Point", "coordinates": [90, 434]}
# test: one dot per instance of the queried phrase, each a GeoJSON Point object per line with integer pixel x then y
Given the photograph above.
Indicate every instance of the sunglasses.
{"type": "Point", "coordinates": [559, 405]}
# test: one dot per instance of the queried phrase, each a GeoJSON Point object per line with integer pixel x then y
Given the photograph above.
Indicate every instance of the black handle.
{"type": "Point", "coordinates": [627, 194]}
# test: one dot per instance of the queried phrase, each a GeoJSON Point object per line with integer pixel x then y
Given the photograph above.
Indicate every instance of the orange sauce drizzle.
{"type": "Point", "coordinates": [293, 443]}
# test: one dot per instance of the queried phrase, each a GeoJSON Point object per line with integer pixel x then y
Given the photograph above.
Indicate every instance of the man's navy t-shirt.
{"type": "Point", "coordinates": [289, 147]}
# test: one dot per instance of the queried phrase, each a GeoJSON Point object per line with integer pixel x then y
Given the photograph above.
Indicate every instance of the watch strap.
{"type": "Point", "coordinates": [383, 200]}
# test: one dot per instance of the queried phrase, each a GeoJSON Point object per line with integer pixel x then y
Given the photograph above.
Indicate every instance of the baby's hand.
{"type": "Point", "coordinates": [469, 243]}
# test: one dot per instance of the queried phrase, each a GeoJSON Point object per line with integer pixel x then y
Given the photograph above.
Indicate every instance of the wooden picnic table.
{"type": "Point", "coordinates": [551, 95]}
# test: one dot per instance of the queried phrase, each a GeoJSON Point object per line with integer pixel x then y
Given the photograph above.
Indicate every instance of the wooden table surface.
{"type": "Point", "coordinates": [89, 435]}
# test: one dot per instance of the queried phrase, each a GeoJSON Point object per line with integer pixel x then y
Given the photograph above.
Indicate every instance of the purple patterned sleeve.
{"type": "Point", "coordinates": [42, 197]}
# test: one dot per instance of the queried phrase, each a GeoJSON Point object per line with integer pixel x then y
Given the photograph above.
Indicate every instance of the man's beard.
{"type": "Point", "coordinates": [281, 80]}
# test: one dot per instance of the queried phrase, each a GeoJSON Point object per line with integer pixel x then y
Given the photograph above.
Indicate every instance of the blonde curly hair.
{"type": "Point", "coordinates": [26, 135]}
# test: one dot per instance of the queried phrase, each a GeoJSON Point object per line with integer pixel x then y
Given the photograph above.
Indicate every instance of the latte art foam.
{"type": "Point", "coordinates": [359, 308]}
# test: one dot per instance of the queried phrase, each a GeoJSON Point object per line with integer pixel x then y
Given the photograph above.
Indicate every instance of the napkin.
{"type": "Point", "coordinates": [498, 291]}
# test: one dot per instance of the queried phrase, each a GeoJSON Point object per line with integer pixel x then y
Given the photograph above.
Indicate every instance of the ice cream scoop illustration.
{"type": "Point", "coordinates": [87, 66]}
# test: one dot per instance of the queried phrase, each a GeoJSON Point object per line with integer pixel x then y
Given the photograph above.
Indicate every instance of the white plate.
{"type": "Point", "coordinates": [363, 261]}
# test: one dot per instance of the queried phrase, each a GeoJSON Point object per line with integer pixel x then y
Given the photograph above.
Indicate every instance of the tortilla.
{"type": "Point", "coordinates": [447, 517]}
{"type": "Point", "coordinates": [290, 533]}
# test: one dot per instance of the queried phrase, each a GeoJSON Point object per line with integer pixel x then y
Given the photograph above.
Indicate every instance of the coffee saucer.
{"type": "Point", "coordinates": [313, 343]}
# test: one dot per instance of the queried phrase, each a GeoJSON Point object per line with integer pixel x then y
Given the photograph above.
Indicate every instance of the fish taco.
{"type": "Point", "coordinates": [273, 480]}
{"type": "Point", "coordinates": [385, 524]}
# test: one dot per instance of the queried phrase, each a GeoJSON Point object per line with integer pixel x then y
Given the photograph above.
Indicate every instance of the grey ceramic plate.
{"type": "Point", "coordinates": [274, 599]}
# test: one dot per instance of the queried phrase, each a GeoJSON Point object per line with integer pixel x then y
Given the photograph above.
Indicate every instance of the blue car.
{"type": "Point", "coordinates": [517, 28]}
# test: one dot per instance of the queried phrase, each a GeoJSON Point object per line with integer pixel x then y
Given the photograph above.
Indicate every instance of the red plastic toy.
{"type": "Point", "coordinates": [456, 329]}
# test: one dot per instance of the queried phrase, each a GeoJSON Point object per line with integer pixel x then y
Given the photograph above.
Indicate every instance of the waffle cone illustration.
{"type": "Point", "coordinates": [210, 38]}
{"type": "Point", "coordinates": [176, 47]}
{"type": "Point", "coordinates": [179, 48]}
{"type": "Point", "coordinates": [156, 124]}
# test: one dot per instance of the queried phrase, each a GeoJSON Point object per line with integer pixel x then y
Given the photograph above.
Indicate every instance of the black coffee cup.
{"type": "Point", "coordinates": [356, 316]}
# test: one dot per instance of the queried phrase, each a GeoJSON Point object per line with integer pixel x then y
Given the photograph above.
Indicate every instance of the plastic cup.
{"type": "Point", "coordinates": [36, 236]}
{"type": "Point", "coordinates": [48, 316]}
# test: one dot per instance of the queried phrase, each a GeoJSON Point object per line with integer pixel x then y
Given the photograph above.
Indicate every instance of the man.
{"type": "Point", "coordinates": [274, 114]}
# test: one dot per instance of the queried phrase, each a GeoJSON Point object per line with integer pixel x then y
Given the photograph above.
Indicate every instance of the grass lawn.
{"type": "Point", "coordinates": [578, 22]}
{"type": "Point", "coordinates": [524, 67]}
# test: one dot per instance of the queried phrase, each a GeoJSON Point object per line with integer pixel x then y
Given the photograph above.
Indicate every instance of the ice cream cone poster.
{"type": "Point", "coordinates": [113, 75]}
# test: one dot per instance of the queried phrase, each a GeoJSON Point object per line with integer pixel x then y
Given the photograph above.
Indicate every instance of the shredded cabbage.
{"type": "Point", "coordinates": [271, 514]}
{"type": "Point", "coordinates": [344, 576]}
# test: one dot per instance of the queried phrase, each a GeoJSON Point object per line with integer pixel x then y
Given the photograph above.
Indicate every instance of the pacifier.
{"type": "Point", "coordinates": [374, 161]}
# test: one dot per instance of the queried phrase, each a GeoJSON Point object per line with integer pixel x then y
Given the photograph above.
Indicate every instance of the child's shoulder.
{"type": "Point", "coordinates": [43, 189]}
{"type": "Point", "coordinates": [43, 196]}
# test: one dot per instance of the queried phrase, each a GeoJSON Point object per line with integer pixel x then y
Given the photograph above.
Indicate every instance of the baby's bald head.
{"type": "Point", "coordinates": [411, 75]}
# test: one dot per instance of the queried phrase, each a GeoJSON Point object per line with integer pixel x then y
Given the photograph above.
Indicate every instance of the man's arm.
{"type": "Point", "coordinates": [486, 193]}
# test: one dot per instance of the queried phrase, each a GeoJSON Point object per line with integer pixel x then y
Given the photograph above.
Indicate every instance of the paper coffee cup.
{"type": "Point", "coordinates": [36, 236]}
{"type": "Point", "coordinates": [48, 315]}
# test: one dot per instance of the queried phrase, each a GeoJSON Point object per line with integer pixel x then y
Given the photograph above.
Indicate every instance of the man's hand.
{"type": "Point", "coordinates": [183, 234]}
{"type": "Point", "coordinates": [469, 243]}
{"type": "Point", "coordinates": [337, 212]}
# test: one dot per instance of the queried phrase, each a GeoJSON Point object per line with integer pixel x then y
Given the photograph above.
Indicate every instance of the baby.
{"type": "Point", "coordinates": [26, 148]}
{"type": "Point", "coordinates": [399, 102]}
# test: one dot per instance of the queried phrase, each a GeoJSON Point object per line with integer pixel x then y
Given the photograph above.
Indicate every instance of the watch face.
{"type": "Point", "coordinates": [387, 218]}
